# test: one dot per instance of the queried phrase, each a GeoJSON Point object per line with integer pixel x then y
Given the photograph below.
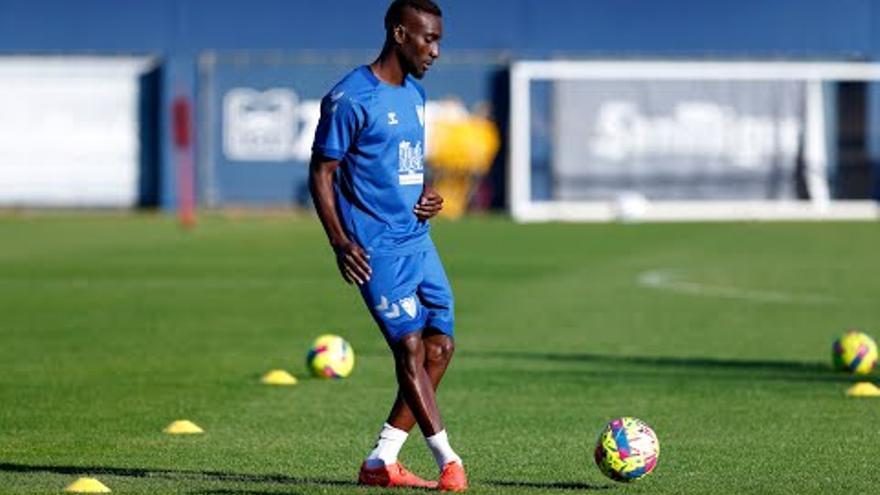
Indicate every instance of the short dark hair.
{"type": "Point", "coordinates": [395, 11]}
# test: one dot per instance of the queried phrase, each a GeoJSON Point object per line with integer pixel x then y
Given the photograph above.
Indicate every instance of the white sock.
{"type": "Point", "coordinates": [443, 453]}
{"type": "Point", "coordinates": [387, 447]}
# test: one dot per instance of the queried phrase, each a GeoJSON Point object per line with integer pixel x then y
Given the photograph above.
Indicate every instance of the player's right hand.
{"type": "Point", "coordinates": [353, 263]}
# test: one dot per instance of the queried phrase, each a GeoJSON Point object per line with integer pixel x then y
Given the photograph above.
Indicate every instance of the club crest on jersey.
{"type": "Point", "coordinates": [410, 169]}
{"type": "Point", "coordinates": [392, 118]}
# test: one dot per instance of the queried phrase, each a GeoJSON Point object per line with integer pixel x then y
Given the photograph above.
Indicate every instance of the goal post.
{"type": "Point", "coordinates": [676, 141]}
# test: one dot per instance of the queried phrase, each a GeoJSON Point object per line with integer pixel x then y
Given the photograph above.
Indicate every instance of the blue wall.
{"type": "Point", "coordinates": [179, 30]}
{"type": "Point", "coordinates": [827, 28]}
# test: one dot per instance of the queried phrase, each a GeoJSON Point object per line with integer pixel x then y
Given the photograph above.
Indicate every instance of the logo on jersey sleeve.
{"type": "Point", "coordinates": [410, 169]}
{"type": "Point", "coordinates": [392, 118]}
{"type": "Point", "coordinates": [420, 110]}
{"type": "Point", "coordinates": [334, 98]}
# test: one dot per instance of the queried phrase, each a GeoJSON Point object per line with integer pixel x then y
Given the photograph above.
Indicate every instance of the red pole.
{"type": "Point", "coordinates": [186, 194]}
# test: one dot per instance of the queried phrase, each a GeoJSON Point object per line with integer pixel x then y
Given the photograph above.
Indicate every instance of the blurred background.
{"type": "Point", "coordinates": [176, 104]}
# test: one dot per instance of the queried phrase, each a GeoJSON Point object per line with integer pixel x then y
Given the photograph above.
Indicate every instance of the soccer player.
{"type": "Point", "coordinates": [367, 182]}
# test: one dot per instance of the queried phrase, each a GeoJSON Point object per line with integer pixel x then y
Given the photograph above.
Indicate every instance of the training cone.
{"type": "Point", "coordinates": [278, 377]}
{"type": "Point", "coordinates": [863, 389]}
{"type": "Point", "coordinates": [87, 485]}
{"type": "Point", "coordinates": [183, 427]}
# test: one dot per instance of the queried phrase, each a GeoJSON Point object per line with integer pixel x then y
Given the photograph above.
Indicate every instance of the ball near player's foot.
{"type": "Point", "coordinates": [627, 449]}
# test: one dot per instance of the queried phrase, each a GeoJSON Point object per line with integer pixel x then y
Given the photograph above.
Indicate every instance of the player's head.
{"type": "Point", "coordinates": [413, 29]}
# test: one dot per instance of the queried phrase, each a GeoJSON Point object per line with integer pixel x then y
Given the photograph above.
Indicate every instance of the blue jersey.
{"type": "Point", "coordinates": [377, 133]}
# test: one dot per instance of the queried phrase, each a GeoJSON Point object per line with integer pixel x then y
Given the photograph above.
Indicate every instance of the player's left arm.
{"type": "Point", "coordinates": [430, 203]}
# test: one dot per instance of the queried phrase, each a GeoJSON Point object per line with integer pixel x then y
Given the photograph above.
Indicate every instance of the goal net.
{"type": "Point", "coordinates": [680, 141]}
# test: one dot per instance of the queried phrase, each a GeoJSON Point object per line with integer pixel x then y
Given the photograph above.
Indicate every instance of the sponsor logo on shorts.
{"type": "Point", "coordinates": [390, 311]}
{"type": "Point", "coordinates": [409, 305]}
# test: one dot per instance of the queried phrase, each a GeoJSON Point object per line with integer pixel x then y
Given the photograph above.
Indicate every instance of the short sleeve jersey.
{"type": "Point", "coordinates": [377, 133]}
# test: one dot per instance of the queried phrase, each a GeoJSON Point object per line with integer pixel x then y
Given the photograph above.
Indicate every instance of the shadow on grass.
{"type": "Point", "coordinates": [752, 369]}
{"type": "Point", "coordinates": [744, 364]}
{"type": "Point", "coordinates": [545, 485]}
{"type": "Point", "coordinates": [500, 485]}
{"type": "Point", "coordinates": [239, 492]}
{"type": "Point", "coordinates": [279, 479]}
{"type": "Point", "coordinates": [221, 476]}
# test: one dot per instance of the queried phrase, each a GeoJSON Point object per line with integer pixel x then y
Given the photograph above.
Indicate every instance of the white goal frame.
{"type": "Point", "coordinates": [814, 74]}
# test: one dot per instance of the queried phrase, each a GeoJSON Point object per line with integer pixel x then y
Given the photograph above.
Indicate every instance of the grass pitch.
{"type": "Point", "coordinates": [716, 335]}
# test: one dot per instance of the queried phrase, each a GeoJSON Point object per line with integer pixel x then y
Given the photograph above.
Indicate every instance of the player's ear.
{"type": "Point", "coordinates": [399, 34]}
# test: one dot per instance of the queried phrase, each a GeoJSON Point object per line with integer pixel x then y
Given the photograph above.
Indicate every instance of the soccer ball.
{"type": "Point", "coordinates": [855, 352]}
{"type": "Point", "coordinates": [330, 356]}
{"type": "Point", "coordinates": [627, 449]}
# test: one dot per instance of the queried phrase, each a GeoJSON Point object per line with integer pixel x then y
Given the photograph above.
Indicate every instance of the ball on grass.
{"type": "Point", "coordinates": [330, 356]}
{"type": "Point", "coordinates": [855, 352]}
{"type": "Point", "coordinates": [627, 449]}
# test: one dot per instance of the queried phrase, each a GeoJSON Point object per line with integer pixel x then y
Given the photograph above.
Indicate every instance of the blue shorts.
{"type": "Point", "coordinates": [409, 293]}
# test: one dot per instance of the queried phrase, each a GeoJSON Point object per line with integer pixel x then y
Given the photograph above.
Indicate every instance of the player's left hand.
{"type": "Point", "coordinates": [430, 203]}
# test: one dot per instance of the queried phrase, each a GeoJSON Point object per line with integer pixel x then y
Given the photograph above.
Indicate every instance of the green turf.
{"type": "Point", "coordinates": [111, 327]}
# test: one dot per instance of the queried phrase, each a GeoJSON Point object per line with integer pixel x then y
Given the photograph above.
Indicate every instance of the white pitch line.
{"type": "Point", "coordinates": [669, 280]}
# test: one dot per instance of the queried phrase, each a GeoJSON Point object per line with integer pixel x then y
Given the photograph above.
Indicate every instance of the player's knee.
{"type": "Point", "coordinates": [410, 349]}
{"type": "Point", "coordinates": [440, 351]}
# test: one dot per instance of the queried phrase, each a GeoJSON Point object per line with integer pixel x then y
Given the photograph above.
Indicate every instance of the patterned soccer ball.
{"type": "Point", "coordinates": [855, 352]}
{"type": "Point", "coordinates": [330, 356]}
{"type": "Point", "coordinates": [627, 449]}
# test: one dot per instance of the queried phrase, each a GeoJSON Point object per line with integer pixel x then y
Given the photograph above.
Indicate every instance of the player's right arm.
{"type": "Point", "coordinates": [351, 259]}
{"type": "Point", "coordinates": [341, 121]}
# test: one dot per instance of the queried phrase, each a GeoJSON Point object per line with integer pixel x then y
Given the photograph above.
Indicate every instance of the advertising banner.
{"type": "Point", "coordinates": [676, 140]}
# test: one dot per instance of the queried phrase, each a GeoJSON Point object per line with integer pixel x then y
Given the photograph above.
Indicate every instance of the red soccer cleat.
{"type": "Point", "coordinates": [390, 476]}
{"type": "Point", "coordinates": [453, 479]}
